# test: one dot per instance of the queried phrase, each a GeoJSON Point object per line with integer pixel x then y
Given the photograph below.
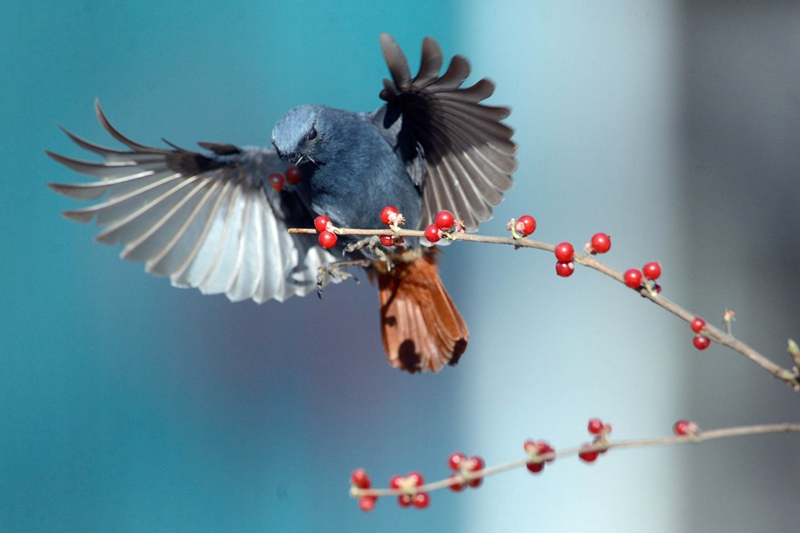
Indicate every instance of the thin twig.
{"type": "Point", "coordinates": [698, 437]}
{"type": "Point", "coordinates": [715, 334]}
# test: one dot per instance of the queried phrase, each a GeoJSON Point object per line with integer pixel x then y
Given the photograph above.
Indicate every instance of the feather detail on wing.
{"type": "Point", "coordinates": [468, 152]}
{"type": "Point", "coordinates": [206, 221]}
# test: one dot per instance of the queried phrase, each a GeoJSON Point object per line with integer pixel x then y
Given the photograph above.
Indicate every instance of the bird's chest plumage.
{"type": "Point", "coordinates": [356, 175]}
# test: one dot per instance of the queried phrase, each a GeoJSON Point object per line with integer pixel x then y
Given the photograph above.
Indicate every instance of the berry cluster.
{"type": "Point", "coordinates": [564, 255]}
{"type": "Point", "coordinates": [536, 449]}
{"type": "Point", "coordinates": [392, 218]}
{"type": "Point", "coordinates": [465, 467]}
{"type": "Point", "coordinates": [701, 342]}
{"type": "Point", "coordinates": [360, 480]}
{"type": "Point", "coordinates": [277, 180]}
{"type": "Point", "coordinates": [409, 485]}
{"type": "Point", "coordinates": [327, 238]}
{"type": "Point", "coordinates": [600, 430]}
{"type": "Point", "coordinates": [445, 224]}
{"type": "Point", "coordinates": [649, 273]}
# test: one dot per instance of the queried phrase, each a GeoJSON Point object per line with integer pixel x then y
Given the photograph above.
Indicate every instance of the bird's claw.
{"type": "Point", "coordinates": [326, 273]}
{"type": "Point", "coordinates": [367, 242]}
{"type": "Point", "coordinates": [372, 243]}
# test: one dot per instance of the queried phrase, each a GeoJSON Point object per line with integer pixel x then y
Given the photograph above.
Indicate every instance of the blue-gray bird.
{"type": "Point", "coordinates": [213, 220]}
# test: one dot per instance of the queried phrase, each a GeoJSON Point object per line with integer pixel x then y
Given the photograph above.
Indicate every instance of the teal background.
{"type": "Point", "coordinates": [128, 405]}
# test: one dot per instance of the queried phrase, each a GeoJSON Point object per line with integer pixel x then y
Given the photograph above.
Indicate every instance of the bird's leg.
{"type": "Point", "coordinates": [338, 269]}
{"type": "Point", "coordinates": [373, 244]}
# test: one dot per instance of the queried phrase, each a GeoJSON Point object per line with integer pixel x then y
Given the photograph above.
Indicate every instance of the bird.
{"type": "Point", "coordinates": [218, 219]}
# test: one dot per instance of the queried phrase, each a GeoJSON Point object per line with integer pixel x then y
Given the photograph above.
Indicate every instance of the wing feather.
{"type": "Point", "coordinates": [172, 256]}
{"type": "Point", "coordinates": [205, 220]}
{"type": "Point", "coordinates": [158, 235]}
{"type": "Point", "coordinates": [468, 152]}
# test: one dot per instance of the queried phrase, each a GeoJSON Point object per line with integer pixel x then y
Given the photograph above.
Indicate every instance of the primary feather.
{"type": "Point", "coordinates": [206, 221]}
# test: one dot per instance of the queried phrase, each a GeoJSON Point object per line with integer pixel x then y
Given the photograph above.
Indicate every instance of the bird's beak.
{"type": "Point", "coordinates": [303, 158]}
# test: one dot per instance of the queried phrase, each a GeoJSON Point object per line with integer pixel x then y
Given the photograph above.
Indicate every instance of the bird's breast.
{"type": "Point", "coordinates": [358, 179]}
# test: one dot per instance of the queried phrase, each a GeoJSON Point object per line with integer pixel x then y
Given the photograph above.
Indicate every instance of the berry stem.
{"type": "Point", "coordinates": [716, 335]}
{"type": "Point", "coordinates": [698, 437]}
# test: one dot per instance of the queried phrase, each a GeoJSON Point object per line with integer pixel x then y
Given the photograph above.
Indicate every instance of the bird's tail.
{"type": "Point", "coordinates": [422, 329]}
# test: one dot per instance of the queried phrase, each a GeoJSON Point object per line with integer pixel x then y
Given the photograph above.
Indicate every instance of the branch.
{"type": "Point", "coordinates": [601, 445]}
{"type": "Point", "coordinates": [790, 377]}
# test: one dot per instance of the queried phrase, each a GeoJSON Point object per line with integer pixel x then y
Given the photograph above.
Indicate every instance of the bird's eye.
{"type": "Point", "coordinates": [312, 133]}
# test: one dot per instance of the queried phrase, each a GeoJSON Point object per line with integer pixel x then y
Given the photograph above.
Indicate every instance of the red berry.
{"type": "Point", "coordinates": [684, 427]}
{"type": "Point", "coordinates": [601, 243]}
{"type": "Point", "coordinates": [595, 426]}
{"type": "Point", "coordinates": [387, 240]}
{"type": "Point", "coordinates": [475, 463]}
{"type": "Point", "coordinates": [633, 278]}
{"type": "Point", "coordinates": [701, 342]}
{"type": "Point", "coordinates": [652, 270]}
{"type": "Point", "coordinates": [565, 270]}
{"type": "Point", "coordinates": [293, 175]}
{"type": "Point", "coordinates": [276, 181]}
{"type": "Point", "coordinates": [405, 500]}
{"type": "Point", "coordinates": [394, 483]}
{"type": "Point", "coordinates": [565, 252]}
{"type": "Point", "coordinates": [321, 223]}
{"type": "Point", "coordinates": [432, 233]}
{"type": "Point", "coordinates": [535, 468]}
{"type": "Point", "coordinates": [360, 479]}
{"type": "Point", "coordinates": [544, 448]}
{"type": "Point", "coordinates": [388, 214]}
{"type": "Point", "coordinates": [421, 500]}
{"type": "Point", "coordinates": [455, 460]}
{"type": "Point", "coordinates": [526, 225]}
{"type": "Point", "coordinates": [416, 479]}
{"type": "Point", "coordinates": [327, 239]}
{"type": "Point", "coordinates": [445, 220]}
{"type": "Point", "coordinates": [456, 487]}
{"type": "Point", "coordinates": [541, 447]}
{"type": "Point", "coordinates": [698, 324]}
{"type": "Point", "coordinates": [475, 483]}
{"type": "Point", "coordinates": [367, 503]}
{"type": "Point", "coordinates": [588, 455]}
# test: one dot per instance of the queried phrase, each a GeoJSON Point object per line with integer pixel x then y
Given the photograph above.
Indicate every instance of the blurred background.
{"type": "Point", "coordinates": [128, 405]}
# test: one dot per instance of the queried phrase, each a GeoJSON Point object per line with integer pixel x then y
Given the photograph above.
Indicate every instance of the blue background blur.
{"type": "Point", "coordinates": [128, 405]}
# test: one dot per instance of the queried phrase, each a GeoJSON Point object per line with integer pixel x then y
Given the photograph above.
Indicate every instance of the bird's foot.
{"type": "Point", "coordinates": [372, 243]}
{"type": "Point", "coordinates": [326, 273]}
{"type": "Point", "coordinates": [367, 242]}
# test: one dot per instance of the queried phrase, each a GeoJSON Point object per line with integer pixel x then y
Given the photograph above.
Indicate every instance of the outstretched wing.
{"type": "Point", "coordinates": [206, 221]}
{"type": "Point", "coordinates": [454, 146]}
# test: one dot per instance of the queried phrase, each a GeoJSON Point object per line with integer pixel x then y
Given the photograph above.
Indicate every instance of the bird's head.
{"type": "Point", "coordinates": [299, 133]}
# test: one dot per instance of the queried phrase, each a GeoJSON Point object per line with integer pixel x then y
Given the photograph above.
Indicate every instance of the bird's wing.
{"type": "Point", "coordinates": [205, 220]}
{"type": "Point", "coordinates": [467, 151]}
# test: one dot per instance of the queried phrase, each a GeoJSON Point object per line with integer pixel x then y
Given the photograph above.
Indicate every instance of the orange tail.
{"type": "Point", "coordinates": [422, 329]}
